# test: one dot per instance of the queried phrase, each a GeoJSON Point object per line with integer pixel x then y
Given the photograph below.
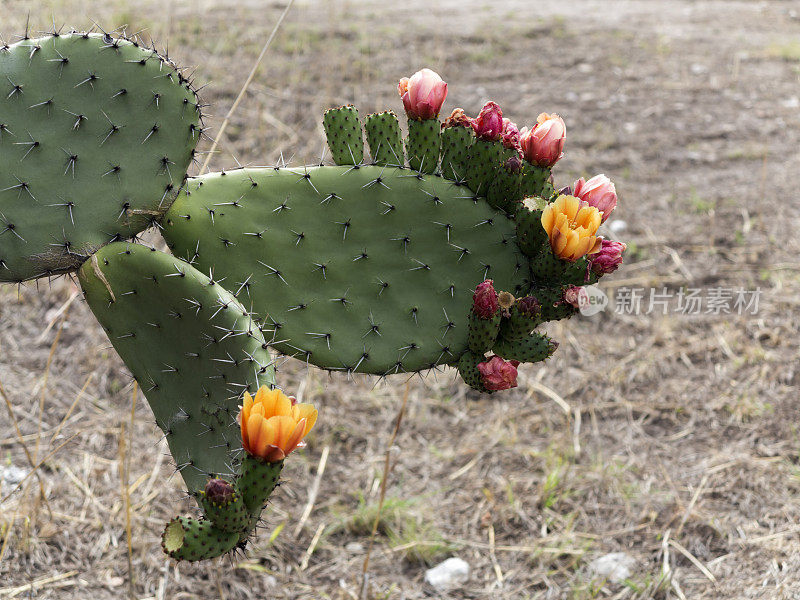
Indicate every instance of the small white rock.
{"type": "Point", "coordinates": [614, 567]}
{"type": "Point", "coordinates": [447, 575]}
{"type": "Point", "coordinates": [12, 475]}
{"type": "Point", "coordinates": [617, 226]}
{"type": "Point", "coordinates": [354, 547]}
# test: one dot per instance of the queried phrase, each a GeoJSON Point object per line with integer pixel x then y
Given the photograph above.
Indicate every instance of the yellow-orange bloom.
{"type": "Point", "coordinates": [273, 424]}
{"type": "Point", "coordinates": [571, 226]}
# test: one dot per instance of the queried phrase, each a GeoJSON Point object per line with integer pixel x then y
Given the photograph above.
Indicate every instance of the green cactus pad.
{"type": "Point", "coordinates": [383, 136]}
{"type": "Point", "coordinates": [190, 345]}
{"type": "Point", "coordinates": [504, 191]}
{"type": "Point", "coordinates": [531, 235]}
{"type": "Point", "coordinates": [343, 130]}
{"type": "Point", "coordinates": [536, 181]}
{"type": "Point", "coordinates": [482, 333]}
{"type": "Point", "coordinates": [546, 266]}
{"type": "Point", "coordinates": [518, 326]}
{"type": "Point", "coordinates": [368, 269]}
{"type": "Point", "coordinates": [96, 134]}
{"type": "Point", "coordinates": [190, 539]}
{"type": "Point", "coordinates": [483, 161]}
{"type": "Point", "coordinates": [468, 369]}
{"type": "Point", "coordinates": [257, 482]}
{"type": "Point", "coordinates": [534, 348]}
{"type": "Point", "coordinates": [456, 141]}
{"type": "Point", "coordinates": [422, 145]}
{"type": "Point", "coordinates": [552, 301]}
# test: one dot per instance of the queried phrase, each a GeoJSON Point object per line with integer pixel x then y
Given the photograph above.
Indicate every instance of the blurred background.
{"type": "Point", "coordinates": [661, 441]}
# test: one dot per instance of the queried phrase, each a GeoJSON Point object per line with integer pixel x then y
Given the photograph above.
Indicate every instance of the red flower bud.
{"type": "Point", "coordinates": [219, 491]}
{"type": "Point", "coordinates": [499, 374]}
{"type": "Point", "coordinates": [608, 259]}
{"type": "Point", "coordinates": [484, 301]}
{"type": "Point", "coordinates": [510, 135]}
{"type": "Point", "coordinates": [489, 123]}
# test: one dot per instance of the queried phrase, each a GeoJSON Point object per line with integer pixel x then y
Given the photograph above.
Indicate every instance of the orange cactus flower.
{"type": "Point", "coordinates": [273, 424]}
{"type": "Point", "coordinates": [571, 226]}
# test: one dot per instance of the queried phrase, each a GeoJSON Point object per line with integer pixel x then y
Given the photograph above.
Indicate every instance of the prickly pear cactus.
{"type": "Point", "coordinates": [96, 134]}
{"type": "Point", "coordinates": [190, 344]}
{"type": "Point", "coordinates": [367, 269]}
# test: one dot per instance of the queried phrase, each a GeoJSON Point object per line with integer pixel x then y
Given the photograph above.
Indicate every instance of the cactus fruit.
{"type": "Point", "coordinates": [422, 145]}
{"type": "Point", "coordinates": [369, 270]}
{"type": "Point", "coordinates": [383, 136]}
{"type": "Point", "coordinates": [185, 538]}
{"type": "Point", "coordinates": [188, 342]}
{"type": "Point", "coordinates": [96, 134]}
{"type": "Point", "coordinates": [343, 130]}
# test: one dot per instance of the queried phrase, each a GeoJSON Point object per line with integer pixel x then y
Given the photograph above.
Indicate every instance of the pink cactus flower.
{"type": "Point", "coordinates": [423, 94]}
{"type": "Point", "coordinates": [510, 134]}
{"type": "Point", "coordinates": [485, 303]}
{"type": "Point", "coordinates": [489, 123]}
{"type": "Point", "coordinates": [498, 374]}
{"type": "Point", "coordinates": [609, 257]}
{"type": "Point", "coordinates": [543, 145]}
{"type": "Point", "coordinates": [457, 118]}
{"type": "Point", "coordinates": [599, 192]}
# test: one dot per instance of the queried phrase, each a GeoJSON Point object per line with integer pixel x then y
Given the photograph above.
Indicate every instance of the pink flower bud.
{"type": "Point", "coordinates": [499, 374]}
{"type": "Point", "coordinates": [423, 94]}
{"type": "Point", "coordinates": [457, 118]}
{"type": "Point", "coordinates": [576, 296]}
{"type": "Point", "coordinates": [484, 301]}
{"type": "Point", "coordinates": [543, 145]}
{"type": "Point", "coordinates": [489, 123]}
{"type": "Point", "coordinates": [609, 257]}
{"type": "Point", "coordinates": [599, 192]}
{"type": "Point", "coordinates": [510, 134]}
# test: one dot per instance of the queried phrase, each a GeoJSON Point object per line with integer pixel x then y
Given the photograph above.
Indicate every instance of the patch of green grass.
{"type": "Point", "coordinates": [401, 523]}
{"type": "Point", "coordinates": [700, 204]}
{"type": "Point", "coordinates": [789, 51]}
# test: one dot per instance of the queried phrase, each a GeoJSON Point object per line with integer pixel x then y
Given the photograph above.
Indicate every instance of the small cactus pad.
{"type": "Point", "coordinates": [343, 130]}
{"type": "Point", "coordinates": [189, 343]}
{"type": "Point", "coordinates": [222, 505]}
{"type": "Point", "coordinates": [96, 134]}
{"type": "Point", "coordinates": [383, 136]}
{"type": "Point", "coordinates": [368, 269]}
{"type": "Point", "coordinates": [536, 181]}
{"type": "Point", "coordinates": [536, 347]}
{"type": "Point", "coordinates": [456, 141]}
{"type": "Point", "coordinates": [422, 145]}
{"type": "Point", "coordinates": [185, 538]}
{"type": "Point", "coordinates": [483, 160]}
{"type": "Point", "coordinates": [468, 369]}
{"type": "Point", "coordinates": [531, 235]}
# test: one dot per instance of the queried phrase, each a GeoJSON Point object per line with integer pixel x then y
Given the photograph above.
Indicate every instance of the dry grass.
{"type": "Point", "coordinates": [669, 437]}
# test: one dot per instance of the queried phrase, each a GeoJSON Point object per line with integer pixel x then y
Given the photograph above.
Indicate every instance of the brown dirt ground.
{"type": "Point", "coordinates": [670, 437]}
